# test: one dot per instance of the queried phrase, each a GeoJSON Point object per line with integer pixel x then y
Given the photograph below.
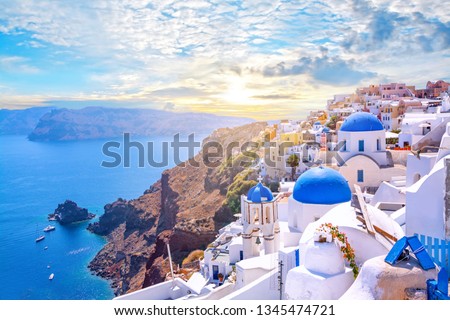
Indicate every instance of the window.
{"type": "Point", "coordinates": [344, 147]}
{"type": "Point", "coordinates": [378, 145]}
{"type": "Point", "coordinates": [215, 272]}
{"type": "Point", "coordinates": [360, 175]}
{"type": "Point", "coordinates": [361, 146]}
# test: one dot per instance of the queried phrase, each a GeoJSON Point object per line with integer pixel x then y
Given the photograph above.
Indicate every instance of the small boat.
{"type": "Point", "coordinates": [40, 238]}
{"type": "Point", "coordinates": [48, 267]}
{"type": "Point", "coordinates": [45, 248]}
{"type": "Point", "coordinates": [51, 276]}
{"type": "Point", "coordinates": [49, 228]}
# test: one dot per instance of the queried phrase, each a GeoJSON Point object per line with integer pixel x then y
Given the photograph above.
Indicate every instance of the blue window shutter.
{"type": "Point", "coordinates": [297, 257]}
{"type": "Point", "coordinates": [360, 175]}
{"type": "Point", "coordinates": [421, 254]}
{"type": "Point", "coordinates": [396, 251]}
{"type": "Point", "coordinates": [443, 281]}
{"type": "Point", "coordinates": [361, 145]}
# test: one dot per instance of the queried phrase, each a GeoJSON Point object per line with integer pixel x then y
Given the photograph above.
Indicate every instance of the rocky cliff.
{"type": "Point", "coordinates": [185, 208]}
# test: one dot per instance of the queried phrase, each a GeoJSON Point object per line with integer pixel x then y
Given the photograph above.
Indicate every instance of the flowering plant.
{"type": "Point", "coordinates": [346, 249]}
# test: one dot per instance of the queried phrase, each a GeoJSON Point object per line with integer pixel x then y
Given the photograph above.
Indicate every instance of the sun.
{"type": "Point", "coordinates": [237, 92]}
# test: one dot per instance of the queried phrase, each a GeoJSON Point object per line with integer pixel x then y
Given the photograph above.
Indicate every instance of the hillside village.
{"type": "Point", "coordinates": [357, 183]}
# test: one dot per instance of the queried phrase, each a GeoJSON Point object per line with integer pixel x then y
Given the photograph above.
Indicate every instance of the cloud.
{"type": "Point", "coordinates": [177, 92]}
{"type": "Point", "coordinates": [332, 70]}
{"type": "Point", "coordinates": [169, 106]}
{"type": "Point", "coordinates": [274, 96]}
{"type": "Point", "coordinates": [192, 53]}
{"type": "Point", "coordinates": [380, 26]}
{"type": "Point", "coordinates": [16, 64]}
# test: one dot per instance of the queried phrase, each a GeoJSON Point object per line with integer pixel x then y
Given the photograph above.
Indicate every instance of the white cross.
{"type": "Point", "coordinates": [260, 179]}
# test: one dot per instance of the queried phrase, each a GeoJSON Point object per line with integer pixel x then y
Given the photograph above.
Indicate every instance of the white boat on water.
{"type": "Point", "coordinates": [40, 238]}
{"type": "Point", "coordinates": [49, 228]}
{"type": "Point", "coordinates": [51, 276]}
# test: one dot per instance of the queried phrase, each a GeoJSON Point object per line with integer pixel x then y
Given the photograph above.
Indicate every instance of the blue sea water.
{"type": "Point", "coordinates": [35, 178]}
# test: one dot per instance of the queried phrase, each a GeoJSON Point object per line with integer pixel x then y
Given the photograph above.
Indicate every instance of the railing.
{"type": "Point", "coordinates": [191, 265]}
{"type": "Point", "coordinates": [438, 249]}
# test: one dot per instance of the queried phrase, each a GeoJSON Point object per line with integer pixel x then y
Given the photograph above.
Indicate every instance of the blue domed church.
{"type": "Point", "coordinates": [316, 191]}
{"type": "Point", "coordinates": [362, 155]}
{"type": "Point", "coordinates": [260, 222]}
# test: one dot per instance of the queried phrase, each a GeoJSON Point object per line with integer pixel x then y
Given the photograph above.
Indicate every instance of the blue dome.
{"type": "Point", "coordinates": [317, 122]}
{"type": "Point", "coordinates": [326, 130]}
{"type": "Point", "coordinates": [362, 121]}
{"type": "Point", "coordinates": [259, 193]}
{"type": "Point", "coordinates": [321, 185]}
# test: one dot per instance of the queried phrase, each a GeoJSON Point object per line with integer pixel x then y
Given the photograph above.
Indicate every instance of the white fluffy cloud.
{"type": "Point", "coordinates": [198, 50]}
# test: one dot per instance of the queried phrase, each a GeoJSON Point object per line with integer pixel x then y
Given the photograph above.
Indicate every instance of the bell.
{"type": "Point", "coordinates": [258, 241]}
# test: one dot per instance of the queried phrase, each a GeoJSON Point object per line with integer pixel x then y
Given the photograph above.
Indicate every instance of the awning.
{"type": "Point", "coordinates": [391, 135]}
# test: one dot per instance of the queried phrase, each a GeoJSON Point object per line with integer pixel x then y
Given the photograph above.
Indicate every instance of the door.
{"type": "Point", "coordinates": [215, 272]}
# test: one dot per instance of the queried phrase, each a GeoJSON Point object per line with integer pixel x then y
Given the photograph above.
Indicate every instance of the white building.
{"type": "Point", "coordinates": [428, 198]}
{"type": "Point", "coordinates": [416, 125]}
{"type": "Point", "coordinates": [362, 157]}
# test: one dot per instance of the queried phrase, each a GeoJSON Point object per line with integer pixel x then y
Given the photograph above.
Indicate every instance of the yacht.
{"type": "Point", "coordinates": [49, 228]}
{"type": "Point", "coordinates": [40, 238]}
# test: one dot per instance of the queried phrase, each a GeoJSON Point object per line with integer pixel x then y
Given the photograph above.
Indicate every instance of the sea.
{"type": "Point", "coordinates": [37, 176]}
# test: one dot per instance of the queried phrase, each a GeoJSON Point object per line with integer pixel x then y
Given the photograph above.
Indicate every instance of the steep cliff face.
{"type": "Point", "coordinates": [185, 208]}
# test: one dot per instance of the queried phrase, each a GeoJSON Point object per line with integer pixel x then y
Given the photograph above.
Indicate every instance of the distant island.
{"type": "Point", "coordinates": [70, 212]}
{"type": "Point", "coordinates": [60, 124]}
{"type": "Point", "coordinates": [21, 121]}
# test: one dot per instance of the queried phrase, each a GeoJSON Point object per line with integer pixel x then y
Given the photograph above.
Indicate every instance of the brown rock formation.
{"type": "Point", "coordinates": [184, 208]}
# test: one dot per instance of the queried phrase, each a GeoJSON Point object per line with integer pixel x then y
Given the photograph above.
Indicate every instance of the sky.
{"type": "Point", "coordinates": [259, 59]}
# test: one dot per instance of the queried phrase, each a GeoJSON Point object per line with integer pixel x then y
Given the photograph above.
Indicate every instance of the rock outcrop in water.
{"type": "Point", "coordinates": [69, 212]}
{"type": "Point", "coordinates": [185, 208]}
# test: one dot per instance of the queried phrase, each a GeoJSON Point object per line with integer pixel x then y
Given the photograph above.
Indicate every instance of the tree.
{"type": "Point", "coordinates": [293, 161]}
{"type": "Point", "coordinates": [332, 122]}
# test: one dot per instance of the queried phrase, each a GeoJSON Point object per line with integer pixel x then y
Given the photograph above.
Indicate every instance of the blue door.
{"type": "Point", "coordinates": [215, 272]}
{"type": "Point", "coordinates": [241, 255]}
